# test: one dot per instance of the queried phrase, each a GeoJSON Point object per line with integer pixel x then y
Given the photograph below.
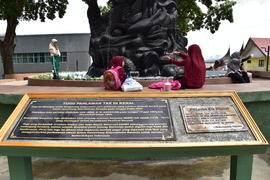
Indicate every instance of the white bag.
{"type": "Point", "coordinates": [131, 85]}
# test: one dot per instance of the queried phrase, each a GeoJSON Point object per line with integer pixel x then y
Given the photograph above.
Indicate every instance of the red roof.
{"type": "Point", "coordinates": [262, 44]}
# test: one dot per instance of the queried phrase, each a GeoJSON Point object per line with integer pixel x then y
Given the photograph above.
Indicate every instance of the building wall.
{"type": "Point", "coordinates": [33, 67]}
{"type": "Point", "coordinates": [40, 43]}
{"type": "Point", "coordinates": [83, 64]}
{"type": "Point", "coordinates": [254, 64]}
{"type": "Point", "coordinates": [253, 50]}
{"type": "Point", "coordinates": [76, 46]}
{"type": "Point", "coordinates": [84, 61]}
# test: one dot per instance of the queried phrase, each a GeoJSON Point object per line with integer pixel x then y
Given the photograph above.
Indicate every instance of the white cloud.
{"type": "Point", "coordinates": [251, 19]}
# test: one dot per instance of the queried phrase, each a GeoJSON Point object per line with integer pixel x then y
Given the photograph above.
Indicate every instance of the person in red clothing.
{"type": "Point", "coordinates": [119, 61]}
{"type": "Point", "coordinates": [194, 65]}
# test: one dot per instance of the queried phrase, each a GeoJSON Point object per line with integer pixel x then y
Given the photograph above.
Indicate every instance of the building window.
{"type": "Point", "coordinates": [42, 57]}
{"type": "Point", "coordinates": [64, 57]}
{"type": "Point", "coordinates": [35, 57]}
{"type": "Point", "coordinates": [248, 61]}
{"type": "Point", "coordinates": [261, 63]}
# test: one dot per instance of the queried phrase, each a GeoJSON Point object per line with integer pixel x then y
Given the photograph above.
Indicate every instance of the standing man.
{"type": "Point", "coordinates": [55, 54]}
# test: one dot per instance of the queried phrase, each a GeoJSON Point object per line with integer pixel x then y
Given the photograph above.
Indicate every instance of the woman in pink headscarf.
{"type": "Point", "coordinates": [193, 62]}
{"type": "Point", "coordinates": [119, 61]}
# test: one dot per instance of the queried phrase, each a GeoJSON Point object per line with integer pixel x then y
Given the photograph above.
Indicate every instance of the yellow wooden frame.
{"type": "Point", "coordinates": [260, 139]}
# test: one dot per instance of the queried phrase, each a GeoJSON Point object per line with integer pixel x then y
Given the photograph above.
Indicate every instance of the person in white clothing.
{"type": "Point", "coordinates": [55, 54]}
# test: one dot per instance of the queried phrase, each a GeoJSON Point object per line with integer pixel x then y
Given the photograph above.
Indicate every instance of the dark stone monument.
{"type": "Point", "coordinates": [140, 30]}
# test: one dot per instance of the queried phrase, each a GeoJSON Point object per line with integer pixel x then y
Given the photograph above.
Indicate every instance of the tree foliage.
{"type": "Point", "coordinates": [199, 14]}
{"type": "Point", "coordinates": [103, 9]}
{"type": "Point", "coordinates": [13, 11]}
{"type": "Point", "coordinates": [32, 9]}
{"type": "Point", "coordinates": [208, 14]}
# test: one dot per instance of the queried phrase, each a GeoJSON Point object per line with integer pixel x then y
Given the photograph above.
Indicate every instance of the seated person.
{"type": "Point", "coordinates": [219, 65]}
{"type": "Point", "coordinates": [119, 61]}
{"type": "Point", "coordinates": [194, 65]}
{"type": "Point", "coordinates": [116, 75]}
{"type": "Point", "coordinates": [236, 70]}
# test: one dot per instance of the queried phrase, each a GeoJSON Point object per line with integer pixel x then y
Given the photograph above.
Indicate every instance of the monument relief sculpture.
{"type": "Point", "coordinates": [140, 30]}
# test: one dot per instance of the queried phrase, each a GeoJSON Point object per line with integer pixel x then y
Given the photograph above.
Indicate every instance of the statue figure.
{"type": "Point", "coordinates": [55, 55]}
{"type": "Point", "coordinates": [140, 30]}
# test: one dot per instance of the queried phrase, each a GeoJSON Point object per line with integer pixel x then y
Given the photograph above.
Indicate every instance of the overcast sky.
{"type": "Point", "coordinates": [251, 19]}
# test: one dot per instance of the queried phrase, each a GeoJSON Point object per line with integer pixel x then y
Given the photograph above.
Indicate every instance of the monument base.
{"type": "Point", "coordinates": [99, 83]}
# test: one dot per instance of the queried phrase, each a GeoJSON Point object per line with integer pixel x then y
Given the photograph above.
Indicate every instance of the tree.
{"type": "Point", "coordinates": [192, 17]}
{"type": "Point", "coordinates": [13, 11]}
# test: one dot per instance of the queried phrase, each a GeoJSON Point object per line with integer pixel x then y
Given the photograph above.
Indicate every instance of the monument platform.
{"type": "Point", "coordinates": [21, 87]}
{"type": "Point", "coordinates": [255, 95]}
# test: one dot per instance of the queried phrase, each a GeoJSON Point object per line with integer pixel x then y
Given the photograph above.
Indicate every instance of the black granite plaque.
{"type": "Point", "coordinates": [111, 119]}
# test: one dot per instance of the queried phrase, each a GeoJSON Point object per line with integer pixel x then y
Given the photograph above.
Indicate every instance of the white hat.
{"type": "Point", "coordinates": [54, 40]}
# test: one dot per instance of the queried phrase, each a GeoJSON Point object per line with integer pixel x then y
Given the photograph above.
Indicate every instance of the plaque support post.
{"type": "Point", "coordinates": [241, 167]}
{"type": "Point", "coordinates": [20, 168]}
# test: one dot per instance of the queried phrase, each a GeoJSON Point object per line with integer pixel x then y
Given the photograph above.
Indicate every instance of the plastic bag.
{"type": "Point", "coordinates": [131, 85]}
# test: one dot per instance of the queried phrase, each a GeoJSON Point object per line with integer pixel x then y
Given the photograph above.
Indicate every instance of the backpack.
{"type": "Point", "coordinates": [111, 79]}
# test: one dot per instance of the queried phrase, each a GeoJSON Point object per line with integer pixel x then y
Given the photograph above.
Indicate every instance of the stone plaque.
{"type": "Point", "coordinates": [110, 119]}
{"type": "Point", "coordinates": [149, 120]}
{"type": "Point", "coordinates": [198, 119]}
